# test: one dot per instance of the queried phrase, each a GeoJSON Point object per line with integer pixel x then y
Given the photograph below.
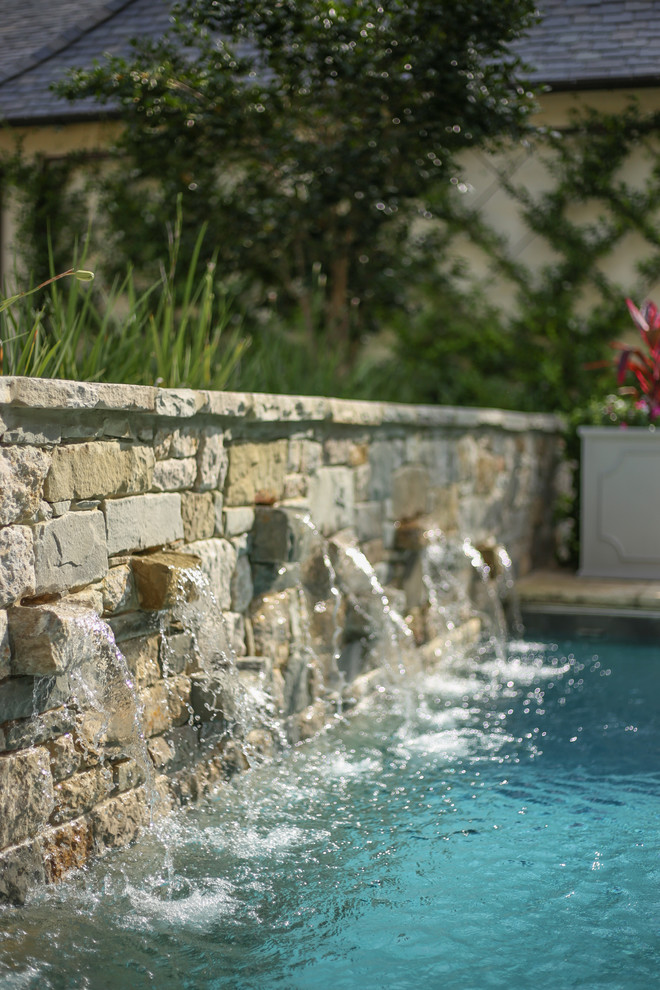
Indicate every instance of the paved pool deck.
{"type": "Point", "coordinates": [554, 601]}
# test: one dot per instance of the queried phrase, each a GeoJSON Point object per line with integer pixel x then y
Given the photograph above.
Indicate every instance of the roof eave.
{"type": "Point", "coordinates": [599, 83]}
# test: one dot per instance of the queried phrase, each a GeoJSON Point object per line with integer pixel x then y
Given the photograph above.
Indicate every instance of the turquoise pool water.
{"type": "Point", "coordinates": [497, 825]}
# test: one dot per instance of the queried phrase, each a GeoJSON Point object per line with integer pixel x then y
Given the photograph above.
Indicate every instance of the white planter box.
{"type": "Point", "coordinates": [620, 517]}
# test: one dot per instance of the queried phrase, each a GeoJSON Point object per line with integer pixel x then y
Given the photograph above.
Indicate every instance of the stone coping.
{"type": "Point", "coordinates": [565, 588]}
{"type": "Point", "coordinates": [56, 394]}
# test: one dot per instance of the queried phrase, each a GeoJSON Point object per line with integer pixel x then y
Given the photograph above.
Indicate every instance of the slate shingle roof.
{"type": "Point", "coordinates": [41, 39]}
{"type": "Point", "coordinates": [578, 43]}
{"type": "Point", "coordinates": [595, 43]}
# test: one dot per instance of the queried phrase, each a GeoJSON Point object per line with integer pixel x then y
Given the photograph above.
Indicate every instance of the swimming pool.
{"type": "Point", "coordinates": [495, 824]}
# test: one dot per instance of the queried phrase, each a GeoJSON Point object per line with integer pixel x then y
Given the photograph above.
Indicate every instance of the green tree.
{"type": "Point", "coordinates": [307, 134]}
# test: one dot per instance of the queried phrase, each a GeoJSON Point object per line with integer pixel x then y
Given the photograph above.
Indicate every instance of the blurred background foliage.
{"type": "Point", "coordinates": [281, 213]}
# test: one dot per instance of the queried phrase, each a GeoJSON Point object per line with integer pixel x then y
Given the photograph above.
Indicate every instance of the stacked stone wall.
{"type": "Point", "coordinates": [116, 501]}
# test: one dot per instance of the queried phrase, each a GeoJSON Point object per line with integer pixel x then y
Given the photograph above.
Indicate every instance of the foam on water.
{"type": "Point", "coordinates": [436, 840]}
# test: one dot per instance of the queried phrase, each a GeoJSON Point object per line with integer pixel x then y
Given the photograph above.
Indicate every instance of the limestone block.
{"type": "Point", "coordinates": [142, 521]}
{"type": "Point", "coordinates": [235, 626]}
{"type": "Point", "coordinates": [410, 492]}
{"type": "Point", "coordinates": [174, 475]}
{"type": "Point", "coordinates": [161, 752]}
{"type": "Point", "coordinates": [65, 848]}
{"type": "Point", "coordinates": [385, 456]}
{"type": "Point", "coordinates": [125, 775]}
{"type": "Point", "coordinates": [26, 787]}
{"type": "Point", "coordinates": [118, 820]}
{"type": "Point", "coordinates": [64, 756]}
{"type": "Point", "coordinates": [175, 443]}
{"type": "Point", "coordinates": [296, 486]}
{"type": "Point", "coordinates": [69, 552]}
{"type": "Point", "coordinates": [26, 426]}
{"type": "Point", "coordinates": [446, 507]}
{"type": "Point", "coordinates": [21, 697]}
{"type": "Point", "coordinates": [118, 589]}
{"type": "Point", "coordinates": [218, 561]}
{"type": "Point", "coordinates": [166, 577]}
{"type": "Point", "coordinates": [331, 499]}
{"type": "Point", "coordinates": [129, 624]}
{"type": "Point", "coordinates": [305, 456]}
{"type": "Point", "coordinates": [198, 515]}
{"type": "Point", "coordinates": [218, 504]}
{"type": "Point", "coordinates": [216, 697]}
{"type": "Point", "coordinates": [16, 564]}
{"type": "Point", "coordinates": [271, 625]}
{"type": "Point", "coordinates": [238, 521]}
{"type": "Point", "coordinates": [178, 402]}
{"type": "Point", "coordinates": [43, 728]}
{"type": "Point", "coordinates": [21, 868]}
{"type": "Point", "coordinates": [165, 704]}
{"type": "Point", "coordinates": [241, 585]}
{"type": "Point", "coordinates": [211, 460]}
{"type": "Point", "coordinates": [141, 655]}
{"type": "Point", "coordinates": [369, 521]}
{"type": "Point", "coordinates": [176, 749]}
{"type": "Point", "coordinates": [4, 645]}
{"type": "Point", "coordinates": [436, 454]}
{"type": "Point", "coordinates": [79, 793]}
{"type": "Point", "coordinates": [345, 451]}
{"type": "Point", "coordinates": [22, 474]}
{"type": "Point", "coordinates": [269, 578]}
{"type": "Point", "coordinates": [177, 653]}
{"type": "Point", "coordinates": [256, 473]}
{"type": "Point", "coordinates": [98, 469]}
{"type": "Point", "coordinates": [50, 638]}
{"type": "Point", "coordinates": [281, 535]}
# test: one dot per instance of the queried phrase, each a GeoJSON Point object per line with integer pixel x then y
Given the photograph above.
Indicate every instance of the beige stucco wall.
{"type": "Point", "coordinates": [478, 187]}
{"type": "Point", "coordinates": [481, 190]}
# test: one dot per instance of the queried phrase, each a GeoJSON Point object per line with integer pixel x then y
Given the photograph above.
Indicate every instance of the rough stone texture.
{"type": "Point", "coordinates": [98, 469]}
{"type": "Point", "coordinates": [80, 793]}
{"type": "Point", "coordinates": [174, 475]}
{"type": "Point", "coordinates": [64, 756]}
{"type": "Point", "coordinates": [21, 868]}
{"type": "Point", "coordinates": [281, 534]}
{"type": "Point", "coordinates": [4, 646]}
{"type": "Point", "coordinates": [166, 577]}
{"type": "Point", "coordinates": [238, 521]}
{"type": "Point", "coordinates": [50, 638]}
{"type": "Point", "coordinates": [118, 821]}
{"type": "Point", "coordinates": [125, 775]}
{"type": "Point", "coordinates": [22, 474]}
{"type": "Point", "coordinates": [118, 589]}
{"type": "Point", "coordinates": [165, 704]}
{"type": "Point", "coordinates": [21, 697]}
{"type": "Point", "coordinates": [43, 728]}
{"type": "Point", "coordinates": [259, 616]}
{"type": "Point", "coordinates": [69, 552]}
{"type": "Point", "coordinates": [332, 499]}
{"type": "Point", "coordinates": [177, 653]}
{"type": "Point", "coordinates": [410, 492]}
{"type": "Point", "coordinates": [212, 460]}
{"type": "Point", "coordinates": [65, 848]}
{"type": "Point", "coordinates": [218, 560]}
{"type": "Point", "coordinates": [16, 564]}
{"type": "Point", "coordinates": [142, 659]}
{"type": "Point", "coordinates": [198, 515]}
{"type": "Point", "coordinates": [241, 584]}
{"type": "Point", "coordinates": [175, 443]}
{"type": "Point", "coordinates": [143, 521]}
{"type": "Point", "coordinates": [26, 787]}
{"type": "Point", "coordinates": [256, 473]}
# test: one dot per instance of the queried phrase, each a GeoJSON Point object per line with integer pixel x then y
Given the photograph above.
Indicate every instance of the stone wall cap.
{"type": "Point", "coordinates": [57, 394]}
